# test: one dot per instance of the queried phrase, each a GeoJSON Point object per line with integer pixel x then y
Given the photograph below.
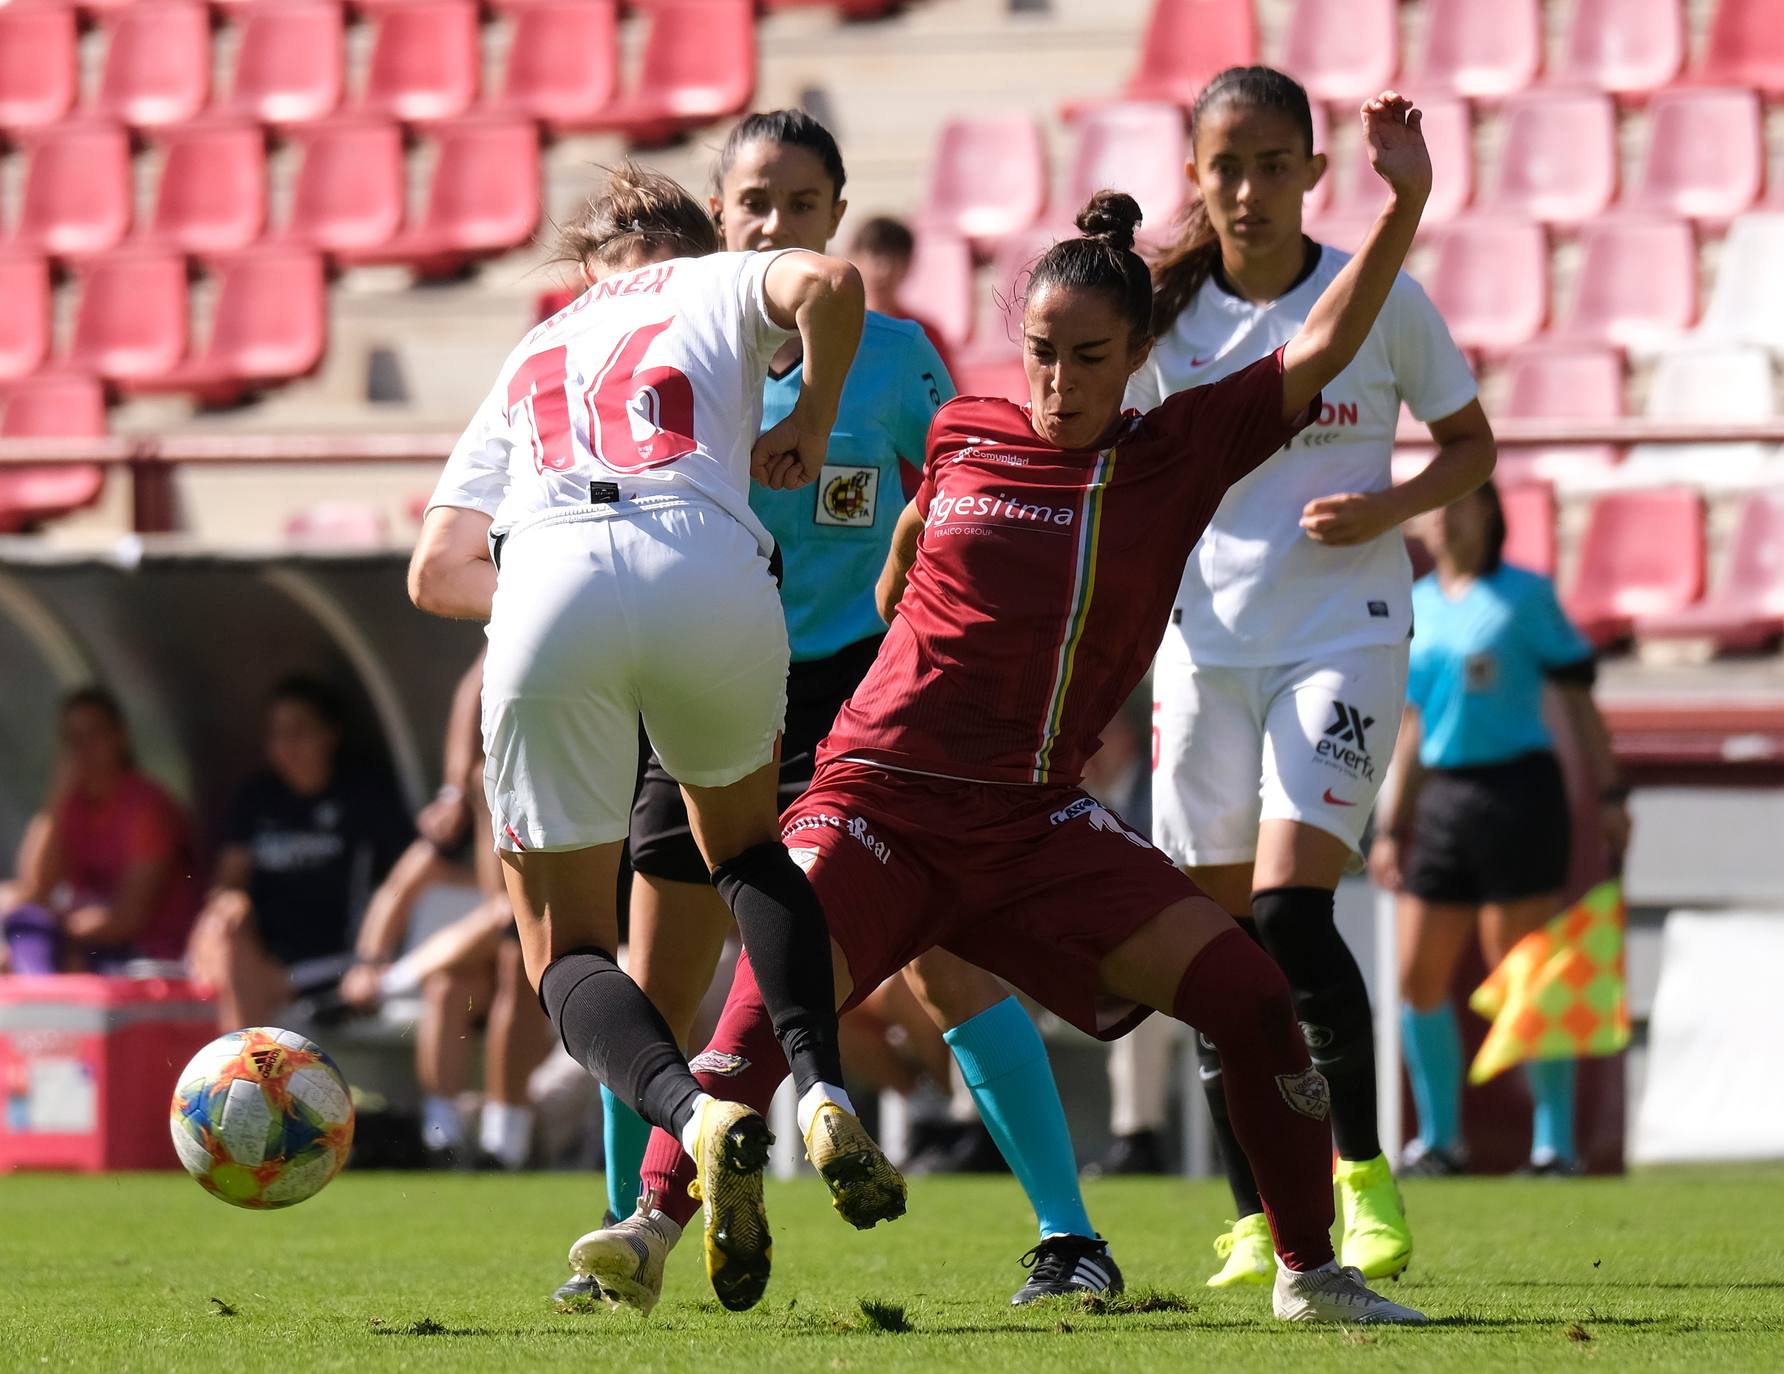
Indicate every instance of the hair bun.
{"type": "Point", "coordinates": [1111, 216]}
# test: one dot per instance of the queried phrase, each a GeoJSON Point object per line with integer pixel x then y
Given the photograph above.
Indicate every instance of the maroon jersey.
{"type": "Point", "coordinates": [1044, 579]}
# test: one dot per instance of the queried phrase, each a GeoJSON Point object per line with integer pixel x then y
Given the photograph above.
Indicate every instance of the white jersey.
{"type": "Point", "coordinates": [651, 379]}
{"type": "Point", "coordinates": [1257, 591]}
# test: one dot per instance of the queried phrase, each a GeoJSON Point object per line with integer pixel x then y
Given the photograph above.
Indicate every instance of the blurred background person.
{"type": "Point", "coordinates": [305, 844]}
{"type": "Point", "coordinates": [106, 871]}
{"type": "Point", "coordinates": [1475, 837]}
{"type": "Point", "coordinates": [883, 252]}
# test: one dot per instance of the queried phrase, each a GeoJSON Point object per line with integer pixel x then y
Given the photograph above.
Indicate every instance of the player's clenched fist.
{"type": "Point", "coordinates": [790, 454]}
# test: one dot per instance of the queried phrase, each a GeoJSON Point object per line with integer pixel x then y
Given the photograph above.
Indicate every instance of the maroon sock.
{"type": "Point", "coordinates": [1236, 996]}
{"type": "Point", "coordinates": [741, 1063]}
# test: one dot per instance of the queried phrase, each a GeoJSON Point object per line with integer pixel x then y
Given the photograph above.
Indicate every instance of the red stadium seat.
{"type": "Point", "coordinates": [130, 325]}
{"type": "Point", "coordinates": [339, 525]}
{"type": "Point", "coordinates": [78, 193]}
{"type": "Point", "coordinates": [1561, 382]}
{"type": "Point", "coordinates": [1358, 193]}
{"type": "Point", "coordinates": [1482, 49]}
{"type": "Point", "coordinates": [348, 195]}
{"type": "Point", "coordinates": [290, 61]}
{"type": "Point", "coordinates": [699, 65]}
{"type": "Point", "coordinates": [426, 60]}
{"type": "Point", "coordinates": [1530, 525]}
{"type": "Point", "coordinates": [25, 320]}
{"type": "Point", "coordinates": [270, 324]}
{"type": "Point", "coordinates": [1558, 159]}
{"type": "Point", "coordinates": [212, 194]}
{"type": "Point", "coordinates": [1747, 302]}
{"type": "Point", "coordinates": [1490, 279]}
{"type": "Point", "coordinates": [1642, 554]}
{"type": "Point", "coordinates": [1714, 384]}
{"type": "Point", "coordinates": [157, 63]}
{"type": "Point", "coordinates": [1746, 45]}
{"type": "Point", "coordinates": [1137, 148]}
{"type": "Point", "coordinates": [39, 65]}
{"type": "Point", "coordinates": [987, 178]}
{"type": "Point", "coordinates": [1344, 53]}
{"type": "Point", "coordinates": [1745, 611]}
{"type": "Point", "coordinates": [1626, 48]}
{"type": "Point", "coordinates": [483, 199]}
{"type": "Point", "coordinates": [940, 286]}
{"type": "Point", "coordinates": [997, 320]}
{"type": "Point", "coordinates": [563, 61]}
{"type": "Point", "coordinates": [1636, 286]}
{"type": "Point", "coordinates": [50, 406]}
{"type": "Point", "coordinates": [1188, 41]}
{"type": "Point", "coordinates": [1705, 156]}
{"type": "Point", "coordinates": [993, 378]}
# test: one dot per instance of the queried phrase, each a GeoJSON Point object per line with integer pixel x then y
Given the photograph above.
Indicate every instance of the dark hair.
{"type": "Point", "coordinates": [93, 697]}
{"type": "Point", "coordinates": [1103, 259]}
{"type": "Point", "coordinates": [886, 237]}
{"type": "Point", "coordinates": [1493, 551]}
{"type": "Point", "coordinates": [313, 693]}
{"type": "Point", "coordinates": [637, 207]}
{"type": "Point", "coordinates": [1181, 270]}
{"type": "Point", "coordinates": [791, 128]}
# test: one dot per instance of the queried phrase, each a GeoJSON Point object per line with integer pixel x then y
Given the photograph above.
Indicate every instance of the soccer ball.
{"type": "Point", "coordinates": [262, 1118]}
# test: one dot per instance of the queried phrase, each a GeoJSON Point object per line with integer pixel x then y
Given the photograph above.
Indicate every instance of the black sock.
{"type": "Point", "coordinates": [1332, 1003]}
{"type": "Point", "coordinates": [610, 1027]}
{"type": "Point", "coordinates": [783, 929]}
{"type": "Point", "coordinates": [1226, 1143]}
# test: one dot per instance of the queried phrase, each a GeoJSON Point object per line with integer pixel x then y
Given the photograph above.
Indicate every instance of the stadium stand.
{"type": "Point", "coordinates": [699, 65]}
{"type": "Point", "coordinates": [426, 60]}
{"type": "Point", "coordinates": [157, 63]}
{"type": "Point", "coordinates": [1139, 148]}
{"type": "Point", "coordinates": [942, 278]}
{"type": "Point", "coordinates": [130, 324]}
{"type": "Point", "coordinates": [50, 406]}
{"type": "Point", "coordinates": [1635, 286]}
{"type": "Point", "coordinates": [1357, 194]}
{"type": "Point", "coordinates": [25, 322]}
{"type": "Point", "coordinates": [1747, 301]}
{"type": "Point", "coordinates": [290, 62]}
{"type": "Point", "coordinates": [1489, 277]}
{"type": "Point", "coordinates": [1549, 381]}
{"type": "Point", "coordinates": [1711, 384]}
{"type": "Point", "coordinates": [1744, 612]}
{"type": "Point", "coordinates": [1705, 155]}
{"type": "Point", "coordinates": [39, 65]}
{"type": "Point", "coordinates": [1342, 53]}
{"type": "Point", "coordinates": [1642, 554]}
{"type": "Point", "coordinates": [1530, 526]}
{"type": "Point", "coordinates": [1481, 49]}
{"type": "Point", "coordinates": [1745, 46]}
{"type": "Point", "coordinates": [77, 194]}
{"type": "Point", "coordinates": [1626, 48]}
{"type": "Point", "coordinates": [348, 193]}
{"type": "Point", "coordinates": [211, 196]}
{"type": "Point", "coordinates": [1185, 43]}
{"type": "Point", "coordinates": [563, 62]}
{"type": "Point", "coordinates": [987, 180]}
{"type": "Point", "coordinates": [1558, 162]}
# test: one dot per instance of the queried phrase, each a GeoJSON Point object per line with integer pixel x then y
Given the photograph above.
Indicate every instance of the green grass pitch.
{"type": "Point", "coordinates": [1665, 1270]}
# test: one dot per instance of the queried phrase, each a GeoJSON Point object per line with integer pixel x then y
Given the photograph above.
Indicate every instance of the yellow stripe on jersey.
{"type": "Point", "coordinates": [1083, 591]}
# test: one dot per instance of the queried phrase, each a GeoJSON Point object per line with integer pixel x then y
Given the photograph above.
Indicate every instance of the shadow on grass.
{"type": "Point", "coordinates": [1636, 1285]}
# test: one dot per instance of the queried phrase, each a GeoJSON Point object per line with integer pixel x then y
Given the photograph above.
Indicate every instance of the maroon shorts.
{"type": "Point", "coordinates": [1035, 884]}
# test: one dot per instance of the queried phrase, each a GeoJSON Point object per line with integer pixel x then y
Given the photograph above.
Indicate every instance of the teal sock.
{"type": "Point", "coordinates": [1433, 1051]}
{"type": "Point", "coordinates": [624, 1134]}
{"type": "Point", "coordinates": [1551, 1085]}
{"type": "Point", "coordinates": [1004, 1063]}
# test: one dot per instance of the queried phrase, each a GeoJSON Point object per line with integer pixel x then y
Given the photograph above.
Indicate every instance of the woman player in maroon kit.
{"type": "Point", "coordinates": [1029, 582]}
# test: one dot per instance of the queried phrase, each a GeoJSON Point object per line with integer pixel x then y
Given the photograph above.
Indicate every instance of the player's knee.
{"type": "Point", "coordinates": [567, 972]}
{"type": "Point", "coordinates": [1331, 1002]}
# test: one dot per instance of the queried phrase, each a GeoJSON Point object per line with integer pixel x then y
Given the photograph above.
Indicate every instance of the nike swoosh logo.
{"type": "Point", "coordinates": [1201, 362]}
{"type": "Point", "coordinates": [1330, 800]}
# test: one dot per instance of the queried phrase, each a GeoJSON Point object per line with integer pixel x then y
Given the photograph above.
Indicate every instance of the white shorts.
{"type": "Point", "coordinates": [665, 609]}
{"type": "Point", "coordinates": [1304, 742]}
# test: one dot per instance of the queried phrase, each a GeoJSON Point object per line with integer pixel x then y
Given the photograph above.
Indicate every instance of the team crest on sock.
{"type": "Point", "coordinates": [1307, 1092]}
{"type": "Point", "coordinates": [719, 1063]}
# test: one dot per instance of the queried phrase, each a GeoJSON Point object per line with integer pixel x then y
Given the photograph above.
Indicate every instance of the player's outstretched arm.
{"type": "Point", "coordinates": [451, 573]}
{"type": "Point", "coordinates": [899, 558]}
{"type": "Point", "coordinates": [1343, 316]}
{"type": "Point", "coordinates": [823, 299]}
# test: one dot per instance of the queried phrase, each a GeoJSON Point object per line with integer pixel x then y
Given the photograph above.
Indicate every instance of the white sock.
{"type": "Point", "coordinates": [815, 1097]}
{"type": "Point", "coordinates": [1330, 1265]}
{"type": "Point", "coordinates": [441, 1128]}
{"type": "Point", "coordinates": [506, 1131]}
{"type": "Point", "coordinates": [690, 1133]}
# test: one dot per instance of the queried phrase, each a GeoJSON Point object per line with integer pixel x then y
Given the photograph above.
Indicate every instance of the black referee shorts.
{"type": "Point", "coordinates": [1494, 833]}
{"type": "Point", "coordinates": [663, 846]}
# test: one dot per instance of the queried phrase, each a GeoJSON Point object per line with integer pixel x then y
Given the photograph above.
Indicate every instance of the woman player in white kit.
{"type": "Point", "coordinates": [596, 513]}
{"type": "Point", "coordinates": [1279, 684]}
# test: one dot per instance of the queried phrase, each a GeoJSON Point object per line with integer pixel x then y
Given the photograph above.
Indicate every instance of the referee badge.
{"type": "Point", "coordinates": [847, 496]}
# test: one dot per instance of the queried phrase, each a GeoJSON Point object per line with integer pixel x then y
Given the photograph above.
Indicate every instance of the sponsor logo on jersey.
{"type": "Point", "coordinates": [1330, 800]}
{"type": "Point", "coordinates": [847, 495]}
{"type": "Point", "coordinates": [1101, 818]}
{"type": "Point", "coordinates": [1001, 507]}
{"type": "Point", "coordinates": [1307, 1092]}
{"type": "Point", "coordinates": [853, 826]}
{"type": "Point", "coordinates": [719, 1063]}
{"type": "Point", "coordinates": [1329, 425]}
{"type": "Point", "coordinates": [1345, 746]}
{"type": "Point", "coordinates": [1378, 610]}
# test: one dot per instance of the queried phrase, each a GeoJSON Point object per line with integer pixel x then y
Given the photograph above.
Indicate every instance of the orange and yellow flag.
{"type": "Point", "coordinates": [1559, 994]}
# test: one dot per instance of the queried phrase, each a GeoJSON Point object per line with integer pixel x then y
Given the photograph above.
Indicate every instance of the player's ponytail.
{"type": "Point", "coordinates": [636, 209]}
{"type": "Point", "coordinates": [1103, 259]}
{"type": "Point", "coordinates": [1188, 263]}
